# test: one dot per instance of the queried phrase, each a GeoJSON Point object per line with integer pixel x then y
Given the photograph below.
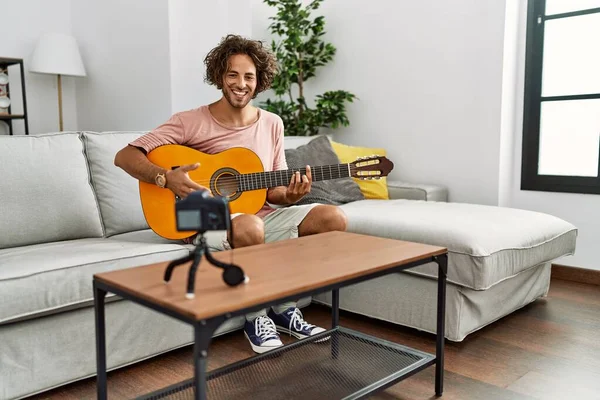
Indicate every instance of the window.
{"type": "Point", "coordinates": [561, 124]}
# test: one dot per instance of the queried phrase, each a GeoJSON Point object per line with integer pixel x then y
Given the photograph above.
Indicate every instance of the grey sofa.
{"type": "Point", "coordinates": [67, 213]}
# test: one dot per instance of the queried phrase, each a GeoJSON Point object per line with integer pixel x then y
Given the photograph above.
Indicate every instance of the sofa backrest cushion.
{"type": "Point", "coordinates": [318, 152]}
{"type": "Point", "coordinates": [46, 193]}
{"type": "Point", "coordinates": [118, 192]}
{"type": "Point", "coordinates": [292, 142]}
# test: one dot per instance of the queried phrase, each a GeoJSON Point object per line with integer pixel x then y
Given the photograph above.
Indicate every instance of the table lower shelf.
{"type": "Point", "coordinates": [348, 365]}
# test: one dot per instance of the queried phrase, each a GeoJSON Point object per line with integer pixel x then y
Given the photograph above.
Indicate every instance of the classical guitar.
{"type": "Point", "coordinates": [238, 175]}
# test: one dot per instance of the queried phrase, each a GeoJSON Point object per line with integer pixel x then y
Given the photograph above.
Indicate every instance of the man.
{"type": "Point", "coordinates": [241, 69]}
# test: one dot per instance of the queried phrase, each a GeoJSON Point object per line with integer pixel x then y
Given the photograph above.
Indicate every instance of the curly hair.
{"type": "Point", "coordinates": [217, 65]}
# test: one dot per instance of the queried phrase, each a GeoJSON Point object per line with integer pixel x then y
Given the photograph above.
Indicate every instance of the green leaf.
{"type": "Point", "coordinates": [300, 50]}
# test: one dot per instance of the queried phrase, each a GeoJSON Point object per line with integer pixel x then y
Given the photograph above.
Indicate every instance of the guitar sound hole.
{"type": "Point", "coordinates": [224, 184]}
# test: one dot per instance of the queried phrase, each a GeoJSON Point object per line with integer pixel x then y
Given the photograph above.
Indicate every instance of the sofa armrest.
{"type": "Point", "coordinates": [416, 191]}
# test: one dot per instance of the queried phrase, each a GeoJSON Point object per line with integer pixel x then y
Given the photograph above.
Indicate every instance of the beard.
{"type": "Point", "coordinates": [234, 100]}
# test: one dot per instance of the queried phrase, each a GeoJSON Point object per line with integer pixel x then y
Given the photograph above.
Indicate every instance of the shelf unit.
{"type": "Point", "coordinates": [8, 118]}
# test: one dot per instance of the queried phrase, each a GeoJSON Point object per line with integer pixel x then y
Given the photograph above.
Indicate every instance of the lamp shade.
{"type": "Point", "coordinates": [58, 54]}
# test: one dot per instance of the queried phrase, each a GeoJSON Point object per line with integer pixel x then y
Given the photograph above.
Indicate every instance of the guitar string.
{"type": "Point", "coordinates": [235, 182]}
{"type": "Point", "coordinates": [251, 179]}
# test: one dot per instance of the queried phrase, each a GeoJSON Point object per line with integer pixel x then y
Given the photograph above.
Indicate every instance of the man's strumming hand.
{"type": "Point", "coordinates": [179, 182]}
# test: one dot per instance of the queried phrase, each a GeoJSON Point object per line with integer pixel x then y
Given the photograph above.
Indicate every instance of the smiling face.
{"type": "Point", "coordinates": [239, 81]}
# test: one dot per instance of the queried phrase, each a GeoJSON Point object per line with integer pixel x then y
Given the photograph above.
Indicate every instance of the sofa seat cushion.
{"type": "Point", "coordinates": [214, 239]}
{"type": "Point", "coordinates": [486, 244]}
{"type": "Point", "coordinates": [145, 236]}
{"type": "Point", "coordinates": [53, 277]}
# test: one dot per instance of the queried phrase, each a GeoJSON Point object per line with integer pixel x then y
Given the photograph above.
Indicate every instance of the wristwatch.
{"type": "Point", "coordinates": [161, 180]}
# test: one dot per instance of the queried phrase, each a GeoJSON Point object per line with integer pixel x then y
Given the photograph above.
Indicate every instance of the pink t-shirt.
{"type": "Point", "coordinates": [199, 130]}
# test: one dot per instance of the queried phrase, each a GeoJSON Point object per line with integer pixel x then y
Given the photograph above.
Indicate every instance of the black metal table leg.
{"type": "Point", "coordinates": [99, 296]}
{"type": "Point", "coordinates": [200, 360]}
{"type": "Point", "coordinates": [203, 333]}
{"type": "Point", "coordinates": [335, 322]}
{"type": "Point", "coordinates": [335, 308]}
{"type": "Point", "coordinates": [441, 319]}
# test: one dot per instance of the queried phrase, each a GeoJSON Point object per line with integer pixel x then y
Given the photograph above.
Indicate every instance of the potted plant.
{"type": "Point", "coordinates": [300, 51]}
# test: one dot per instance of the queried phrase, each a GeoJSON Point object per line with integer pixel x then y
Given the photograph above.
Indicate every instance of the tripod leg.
{"type": "Point", "coordinates": [214, 261]}
{"type": "Point", "coordinates": [175, 263]}
{"type": "Point", "coordinates": [233, 274]}
{"type": "Point", "coordinates": [192, 274]}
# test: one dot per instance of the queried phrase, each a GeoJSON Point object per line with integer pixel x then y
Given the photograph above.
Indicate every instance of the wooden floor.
{"type": "Point", "coordinates": [547, 350]}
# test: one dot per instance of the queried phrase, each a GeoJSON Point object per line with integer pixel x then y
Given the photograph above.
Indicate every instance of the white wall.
{"type": "Point", "coordinates": [510, 93]}
{"type": "Point", "coordinates": [429, 78]}
{"type": "Point", "coordinates": [22, 22]}
{"type": "Point", "coordinates": [582, 210]}
{"type": "Point", "coordinates": [196, 27]}
{"type": "Point", "coordinates": [125, 48]}
{"type": "Point", "coordinates": [146, 60]}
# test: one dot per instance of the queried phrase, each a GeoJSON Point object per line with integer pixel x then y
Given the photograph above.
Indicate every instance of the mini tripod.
{"type": "Point", "coordinates": [233, 275]}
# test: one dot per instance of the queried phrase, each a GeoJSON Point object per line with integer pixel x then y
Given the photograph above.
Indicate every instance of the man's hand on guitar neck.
{"type": "Point", "coordinates": [299, 186]}
{"type": "Point", "coordinates": [179, 182]}
{"type": "Point", "coordinates": [285, 195]}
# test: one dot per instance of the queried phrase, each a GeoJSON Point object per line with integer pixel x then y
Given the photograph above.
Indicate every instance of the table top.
{"type": "Point", "coordinates": [275, 270]}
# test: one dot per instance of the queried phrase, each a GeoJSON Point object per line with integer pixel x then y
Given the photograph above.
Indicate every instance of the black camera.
{"type": "Point", "coordinates": [201, 212]}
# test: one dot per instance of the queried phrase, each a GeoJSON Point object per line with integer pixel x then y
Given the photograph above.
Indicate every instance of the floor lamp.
{"type": "Point", "coordinates": [57, 54]}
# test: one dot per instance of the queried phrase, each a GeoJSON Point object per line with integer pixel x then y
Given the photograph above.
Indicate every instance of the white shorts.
{"type": "Point", "coordinates": [280, 224]}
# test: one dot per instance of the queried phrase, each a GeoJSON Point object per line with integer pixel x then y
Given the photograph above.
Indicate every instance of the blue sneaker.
{"type": "Point", "coordinates": [262, 335]}
{"type": "Point", "coordinates": [291, 321]}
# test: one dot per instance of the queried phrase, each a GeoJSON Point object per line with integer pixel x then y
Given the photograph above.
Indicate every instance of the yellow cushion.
{"type": "Point", "coordinates": [371, 189]}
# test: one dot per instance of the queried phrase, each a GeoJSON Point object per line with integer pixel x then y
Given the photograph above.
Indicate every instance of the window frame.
{"type": "Point", "coordinates": [530, 178]}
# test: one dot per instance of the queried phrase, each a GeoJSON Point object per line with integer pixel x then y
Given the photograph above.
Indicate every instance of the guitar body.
{"type": "Point", "coordinates": [238, 175]}
{"type": "Point", "coordinates": [216, 172]}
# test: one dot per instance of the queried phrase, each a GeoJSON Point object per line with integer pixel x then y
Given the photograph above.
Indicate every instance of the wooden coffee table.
{"type": "Point", "coordinates": [347, 364]}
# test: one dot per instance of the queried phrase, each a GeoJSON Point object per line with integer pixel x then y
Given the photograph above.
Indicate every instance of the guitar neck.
{"type": "Point", "coordinates": [265, 180]}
